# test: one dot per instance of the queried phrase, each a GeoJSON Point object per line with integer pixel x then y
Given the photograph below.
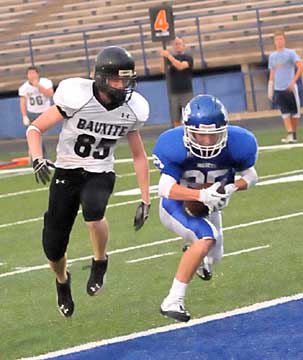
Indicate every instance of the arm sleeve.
{"type": "Point", "coordinates": [140, 108]}
{"type": "Point", "coordinates": [165, 184]}
{"type": "Point", "coordinates": [295, 57]}
{"type": "Point", "coordinates": [21, 90]}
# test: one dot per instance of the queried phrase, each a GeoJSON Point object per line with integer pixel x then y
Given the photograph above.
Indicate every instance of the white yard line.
{"type": "Point", "coordinates": [172, 327]}
{"type": "Point", "coordinates": [243, 251]}
{"type": "Point", "coordinates": [24, 171]}
{"type": "Point", "coordinates": [151, 257]}
{"type": "Point", "coordinates": [21, 222]}
{"type": "Point", "coordinates": [155, 243]}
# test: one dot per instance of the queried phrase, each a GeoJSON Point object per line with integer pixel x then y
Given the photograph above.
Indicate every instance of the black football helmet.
{"type": "Point", "coordinates": [114, 62]}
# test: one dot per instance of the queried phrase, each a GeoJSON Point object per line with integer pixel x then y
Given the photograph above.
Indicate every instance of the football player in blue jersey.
{"type": "Point", "coordinates": [196, 160]}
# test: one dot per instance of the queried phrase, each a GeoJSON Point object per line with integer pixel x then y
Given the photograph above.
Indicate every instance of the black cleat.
{"type": "Point", "coordinates": [64, 297]}
{"type": "Point", "coordinates": [185, 247]}
{"type": "Point", "coordinates": [174, 309]}
{"type": "Point", "coordinates": [203, 271]}
{"type": "Point", "coordinates": [96, 281]}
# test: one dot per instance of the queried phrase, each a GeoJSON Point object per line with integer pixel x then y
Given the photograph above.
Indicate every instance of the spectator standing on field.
{"type": "Point", "coordinates": [286, 67]}
{"type": "Point", "coordinates": [180, 65]}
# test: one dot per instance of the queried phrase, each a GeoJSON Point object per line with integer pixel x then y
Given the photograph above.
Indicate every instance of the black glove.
{"type": "Point", "coordinates": [41, 170]}
{"type": "Point", "coordinates": [142, 213]}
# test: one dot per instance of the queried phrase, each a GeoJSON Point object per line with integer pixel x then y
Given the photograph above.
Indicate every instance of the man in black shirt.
{"type": "Point", "coordinates": [179, 79]}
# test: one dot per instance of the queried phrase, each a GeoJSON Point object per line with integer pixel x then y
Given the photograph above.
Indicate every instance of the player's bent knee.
{"type": "Point", "coordinates": [205, 243]}
{"type": "Point", "coordinates": [93, 224]}
{"type": "Point", "coordinates": [54, 244]}
{"type": "Point", "coordinates": [54, 239]}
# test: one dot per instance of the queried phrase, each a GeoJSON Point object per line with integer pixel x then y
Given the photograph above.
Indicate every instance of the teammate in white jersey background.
{"type": "Point", "coordinates": [35, 96]}
{"type": "Point", "coordinates": [96, 114]}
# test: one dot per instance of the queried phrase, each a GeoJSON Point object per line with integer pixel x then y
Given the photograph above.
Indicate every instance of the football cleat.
{"type": "Point", "coordinates": [204, 271]}
{"type": "Point", "coordinates": [174, 308]}
{"type": "Point", "coordinates": [289, 139]}
{"type": "Point", "coordinates": [96, 281]}
{"type": "Point", "coordinates": [65, 301]}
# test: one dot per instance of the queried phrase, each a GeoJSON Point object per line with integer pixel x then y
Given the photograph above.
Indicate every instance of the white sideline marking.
{"type": "Point", "coordinates": [22, 192]}
{"type": "Point", "coordinates": [256, 248]}
{"type": "Point", "coordinates": [281, 174]}
{"type": "Point", "coordinates": [128, 160]}
{"type": "Point", "coordinates": [284, 179]}
{"type": "Point", "coordinates": [174, 252]}
{"type": "Point", "coordinates": [24, 171]}
{"type": "Point", "coordinates": [280, 147]}
{"type": "Point", "coordinates": [151, 257]}
{"type": "Point", "coordinates": [154, 188]}
{"type": "Point", "coordinates": [172, 327]}
{"type": "Point", "coordinates": [79, 212]}
{"type": "Point", "coordinates": [281, 180]}
{"type": "Point", "coordinates": [122, 250]}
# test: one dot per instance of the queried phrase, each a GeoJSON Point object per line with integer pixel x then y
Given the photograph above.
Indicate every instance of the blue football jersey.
{"type": "Point", "coordinates": [174, 159]}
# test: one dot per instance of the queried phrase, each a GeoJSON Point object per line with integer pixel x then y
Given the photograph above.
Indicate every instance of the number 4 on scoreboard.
{"type": "Point", "coordinates": [162, 23]}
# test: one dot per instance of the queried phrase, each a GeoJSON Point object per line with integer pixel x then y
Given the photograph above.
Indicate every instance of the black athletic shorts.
{"type": "Point", "coordinates": [287, 102]}
{"type": "Point", "coordinates": [71, 187]}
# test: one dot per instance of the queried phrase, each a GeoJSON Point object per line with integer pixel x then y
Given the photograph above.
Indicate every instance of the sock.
{"type": "Point", "coordinates": [294, 134]}
{"type": "Point", "coordinates": [178, 289]}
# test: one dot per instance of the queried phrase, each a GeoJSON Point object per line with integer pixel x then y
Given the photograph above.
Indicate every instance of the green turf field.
{"type": "Point", "coordinates": [271, 216]}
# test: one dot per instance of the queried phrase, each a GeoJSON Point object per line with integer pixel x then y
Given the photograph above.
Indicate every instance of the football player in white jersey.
{"type": "Point", "coordinates": [95, 115]}
{"type": "Point", "coordinates": [35, 95]}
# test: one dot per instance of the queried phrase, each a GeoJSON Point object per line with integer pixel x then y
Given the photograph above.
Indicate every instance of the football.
{"type": "Point", "coordinates": [197, 208]}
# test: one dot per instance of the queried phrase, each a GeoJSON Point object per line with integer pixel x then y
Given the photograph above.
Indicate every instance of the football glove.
{"type": "Point", "coordinates": [141, 216]}
{"type": "Point", "coordinates": [41, 170]}
{"type": "Point", "coordinates": [212, 198]}
{"type": "Point", "coordinates": [229, 190]}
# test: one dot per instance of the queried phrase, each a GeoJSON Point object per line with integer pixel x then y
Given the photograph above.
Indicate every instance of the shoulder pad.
{"type": "Point", "coordinates": [139, 106]}
{"type": "Point", "coordinates": [72, 94]}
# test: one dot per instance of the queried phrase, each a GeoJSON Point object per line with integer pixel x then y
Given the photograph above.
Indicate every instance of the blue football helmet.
{"type": "Point", "coordinates": [205, 126]}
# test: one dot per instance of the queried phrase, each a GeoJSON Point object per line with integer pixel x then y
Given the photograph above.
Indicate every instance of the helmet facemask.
{"type": "Point", "coordinates": [115, 64]}
{"type": "Point", "coordinates": [117, 96]}
{"type": "Point", "coordinates": [205, 126]}
{"type": "Point", "coordinates": [208, 151]}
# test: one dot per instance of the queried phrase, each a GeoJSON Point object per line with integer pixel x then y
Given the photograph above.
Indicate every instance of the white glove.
{"type": "Point", "coordinates": [229, 190]}
{"type": "Point", "coordinates": [270, 90]}
{"type": "Point", "coordinates": [26, 120]}
{"type": "Point", "coordinates": [211, 198]}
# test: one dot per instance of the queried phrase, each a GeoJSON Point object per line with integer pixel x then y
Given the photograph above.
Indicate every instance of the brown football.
{"type": "Point", "coordinates": [197, 208]}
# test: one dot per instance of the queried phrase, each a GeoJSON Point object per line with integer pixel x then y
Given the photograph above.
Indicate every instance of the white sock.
{"type": "Point", "coordinates": [178, 289]}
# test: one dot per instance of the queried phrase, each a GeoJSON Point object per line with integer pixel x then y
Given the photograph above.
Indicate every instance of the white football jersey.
{"type": "Point", "coordinates": [90, 132]}
{"type": "Point", "coordinates": [36, 102]}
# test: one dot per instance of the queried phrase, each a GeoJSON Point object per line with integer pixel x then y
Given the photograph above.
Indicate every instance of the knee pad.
{"type": "Point", "coordinates": [54, 240]}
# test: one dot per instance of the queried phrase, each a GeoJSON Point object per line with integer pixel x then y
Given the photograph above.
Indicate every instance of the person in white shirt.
{"type": "Point", "coordinates": [35, 97]}
{"type": "Point", "coordinates": [96, 114]}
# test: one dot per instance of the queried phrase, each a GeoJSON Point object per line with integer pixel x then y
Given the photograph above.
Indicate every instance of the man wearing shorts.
{"type": "Point", "coordinates": [285, 69]}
